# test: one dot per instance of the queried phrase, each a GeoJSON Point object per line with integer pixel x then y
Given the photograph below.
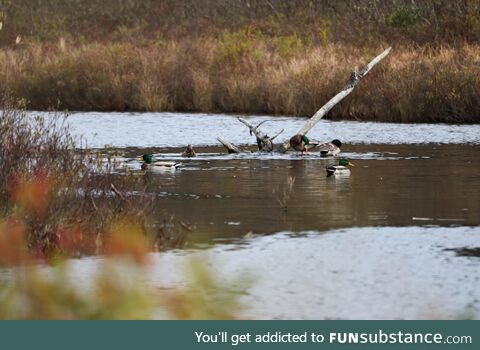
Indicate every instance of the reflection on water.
{"type": "Point", "coordinates": [179, 129]}
{"type": "Point", "coordinates": [354, 273]}
{"type": "Point", "coordinates": [390, 185]}
{"type": "Point", "coordinates": [466, 251]}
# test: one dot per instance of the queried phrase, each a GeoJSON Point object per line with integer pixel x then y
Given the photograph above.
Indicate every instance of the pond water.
{"type": "Point", "coordinates": [385, 242]}
{"type": "Point", "coordinates": [353, 273]}
{"type": "Point", "coordinates": [391, 185]}
{"type": "Point", "coordinates": [145, 130]}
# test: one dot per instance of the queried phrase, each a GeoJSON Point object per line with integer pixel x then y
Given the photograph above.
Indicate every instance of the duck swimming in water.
{"type": "Point", "coordinates": [189, 152]}
{"type": "Point", "coordinates": [341, 169]}
{"type": "Point", "coordinates": [330, 148]}
{"type": "Point", "coordinates": [150, 164]}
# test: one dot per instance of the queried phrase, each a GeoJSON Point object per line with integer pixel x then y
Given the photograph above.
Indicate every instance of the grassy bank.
{"type": "Point", "coordinates": [279, 57]}
{"type": "Point", "coordinates": [246, 75]}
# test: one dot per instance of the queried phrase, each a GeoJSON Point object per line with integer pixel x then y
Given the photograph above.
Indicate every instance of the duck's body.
{"type": "Point", "coordinates": [335, 170]}
{"type": "Point", "coordinates": [161, 165]}
{"type": "Point", "coordinates": [330, 149]}
{"type": "Point", "coordinates": [189, 152]}
{"type": "Point", "coordinates": [342, 169]}
{"type": "Point", "coordinates": [299, 143]}
{"type": "Point", "coordinates": [150, 164]}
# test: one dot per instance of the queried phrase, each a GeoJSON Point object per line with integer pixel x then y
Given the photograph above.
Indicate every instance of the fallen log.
{"type": "Point", "coordinates": [354, 79]}
{"type": "Point", "coordinates": [265, 143]}
{"type": "Point", "coordinates": [231, 148]}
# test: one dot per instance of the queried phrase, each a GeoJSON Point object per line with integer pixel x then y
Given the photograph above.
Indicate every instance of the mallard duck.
{"type": "Point", "coordinates": [299, 142]}
{"type": "Point", "coordinates": [341, 169]}
{"type": "Point", "coordinates": [150, 164]}
{"type": "Point", "coordinates": [330, 148]}
{"type": "Point", "coordinates": [189, 152]}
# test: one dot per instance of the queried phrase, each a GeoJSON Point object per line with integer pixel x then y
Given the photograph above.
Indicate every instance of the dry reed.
{"type": "Point", "coordinates": [413, 85]}
{"type": "Point", "coordinates": [281, 57]}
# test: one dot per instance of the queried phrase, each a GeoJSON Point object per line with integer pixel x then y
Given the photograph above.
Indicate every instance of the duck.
{"type": "Point", "coordinates": [330, 148]}
{"type": "Point", "coordinates": [299, 143]}
{"type": "Point", "coordinates": [342, 169]}
{"type": "Point", "coordinates": [149, 164]}
{"type": "Point", "coordinates": [189, 152]}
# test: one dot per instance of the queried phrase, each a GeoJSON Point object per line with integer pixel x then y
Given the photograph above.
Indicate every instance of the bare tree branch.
{"type": "Point", "coordinates": [354, 79]}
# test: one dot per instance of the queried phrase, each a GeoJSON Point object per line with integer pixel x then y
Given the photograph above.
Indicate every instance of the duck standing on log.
{"type": "Point", "coordinates": [299, 143]}
{"type": "Point", "coordinates": [302, 143]}
{"type": "Point", "coordinates": [330, 148]}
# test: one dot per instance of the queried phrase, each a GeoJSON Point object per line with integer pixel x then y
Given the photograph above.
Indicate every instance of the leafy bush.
{"type": "Point", "coordinates": [403, 17]}
{"type": "Point", "coordinates": [235, 44]}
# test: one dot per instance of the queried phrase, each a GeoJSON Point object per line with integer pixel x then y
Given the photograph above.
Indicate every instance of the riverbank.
{"type": "Point", "coordinates": [281, 57]}
{"type": "Point", "coordinates": [244, 73]}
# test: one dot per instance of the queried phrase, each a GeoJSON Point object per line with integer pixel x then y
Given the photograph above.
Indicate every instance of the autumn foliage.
{"type": "Point", "coordinates": [275, 57]}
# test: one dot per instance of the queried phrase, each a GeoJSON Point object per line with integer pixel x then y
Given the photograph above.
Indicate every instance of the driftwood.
{"type": "Point", "coordinates": [354, 79]}
{"type": "Point", "coordinates": [265, 143]}
{"type": "Point", "coordinates": [231, 148]}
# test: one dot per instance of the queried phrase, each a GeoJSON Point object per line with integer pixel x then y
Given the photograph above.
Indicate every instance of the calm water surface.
{"type": "Point", "coordinates": [177, 129]}
{"type": "Point", "coordinates": [391, 185]}
{"type": "Point", "coordinates": [376, 244]}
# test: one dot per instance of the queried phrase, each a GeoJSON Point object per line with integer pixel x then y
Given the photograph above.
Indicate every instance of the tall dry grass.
{"type": "Point", "coordinates": [68, 199]}
{"type": "Point", "coordinates": [276, 57]}
{"type": "Point", "coordinates": [244, 72]}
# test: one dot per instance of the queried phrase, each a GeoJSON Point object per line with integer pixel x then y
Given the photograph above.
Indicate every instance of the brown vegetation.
{"type": "Point", "coordinates": [359, 22]}
{"type": "Point", "coordinates": [278, 57]}
{"type": "Point", "coordinates": [58, 201]}
{"type": "Point", "coordinates": [70, 201]}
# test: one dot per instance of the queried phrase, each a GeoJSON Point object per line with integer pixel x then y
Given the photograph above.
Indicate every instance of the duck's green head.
{"type": "Point", "coordinates": [345, 162]}
{"type": "Point", "coordinates": [148, 158]}
{"type": "Point", "coordinates": [305, 140]}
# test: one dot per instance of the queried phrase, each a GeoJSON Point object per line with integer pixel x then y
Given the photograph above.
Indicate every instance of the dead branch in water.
{"type": "Point", "coordinates": [353, 81]}
{"type": "Point", "coordinates": [231, 148]}
{"type": "Point", "coordinates": [265, 143]}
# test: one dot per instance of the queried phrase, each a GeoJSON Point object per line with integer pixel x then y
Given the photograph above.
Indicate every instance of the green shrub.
{"type": "Point", "coordinates": [403, 17]}
{"type": "Point", "coordinates": [237, 43]}
{"type": "Point", "coordinates": [289, 45]}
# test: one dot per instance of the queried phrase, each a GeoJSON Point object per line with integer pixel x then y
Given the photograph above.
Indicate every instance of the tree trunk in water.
{"type": "Point", "coordinates": [231, 148]}
{"type": "Point", "coordinates": [265, 143]}
{"type": "Point", "coordinates": [354, 79]}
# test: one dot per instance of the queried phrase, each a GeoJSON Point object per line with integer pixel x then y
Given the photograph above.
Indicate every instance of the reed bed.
{"type": "Point", "coordinates": [246, 74]}
{"type": "Point", "coordinates": [237, 56]}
